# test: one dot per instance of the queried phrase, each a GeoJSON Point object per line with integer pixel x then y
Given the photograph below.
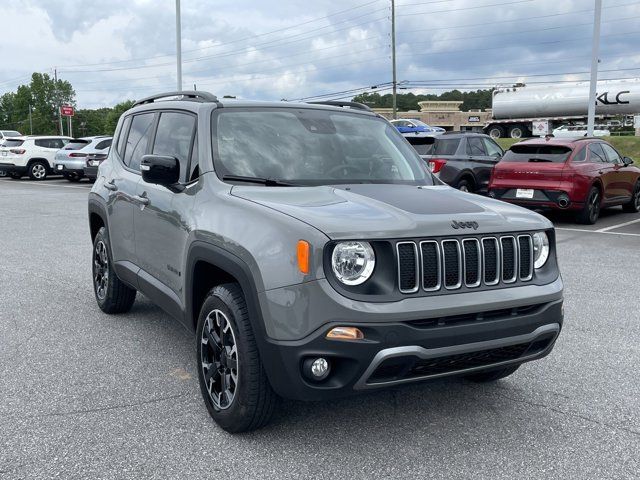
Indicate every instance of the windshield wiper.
{"type": "Point", "coordinates": [538, 159]}
{"type": "Point", "coordinates": [269, 182]}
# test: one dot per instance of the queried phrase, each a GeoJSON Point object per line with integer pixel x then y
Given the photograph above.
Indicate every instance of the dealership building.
{"type": "Point", "coordinates": [445, 114]}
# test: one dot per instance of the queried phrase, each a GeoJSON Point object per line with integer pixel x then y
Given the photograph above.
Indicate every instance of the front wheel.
{"type": "Point", "coordinates": [112, 295]}
{"type": "Point", "coordinates": [591, 210]}
{"type": "Point", "coordinates": [38, 170]}
{"type": "Point", "coordinates": [232, 379]}
{"type": "Point", "coordinates": [633, 206]}
{"type": "Point", "coordinates": [492, 375]}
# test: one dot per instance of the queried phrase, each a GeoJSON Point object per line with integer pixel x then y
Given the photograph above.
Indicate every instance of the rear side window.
{"type": "Point", "coordinates": [138, 140]}
{"type": "Point", "coordinates": [596, 155]}
{"type": "Point", "coordinates": [122, 136]}
{"type": "Point", "coordinates": [76, 145]}
{"type": "Point", "coordinates": [50, 143]}
{"type": "Point", "coordinates": [103, 144]}
{"type": "Point", "coordinates": [174, 136]}
{"type": "Point", "coordinates": [446, 146]}
{"type": "Point", "coordinates": [13, 143]}
{"type": "Point", "coordinates": [537, 153]}
{"type": "Point", "coordinates": [475, 146]}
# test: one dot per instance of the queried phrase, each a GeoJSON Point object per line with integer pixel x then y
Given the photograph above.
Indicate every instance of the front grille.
{"type": "Point", "coordinates": [452, 263]}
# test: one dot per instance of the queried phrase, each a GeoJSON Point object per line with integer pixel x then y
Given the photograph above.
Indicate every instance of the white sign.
{"type": "Point", "coordinates": [636, 121]}
{"type": "Point", "coordinates": [540, 127]}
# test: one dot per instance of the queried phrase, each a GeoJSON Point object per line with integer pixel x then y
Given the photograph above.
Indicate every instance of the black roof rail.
{"type": "Point", "coordinates": [338, 103]}
{"type": "Point", "coordinates": [198, 96]}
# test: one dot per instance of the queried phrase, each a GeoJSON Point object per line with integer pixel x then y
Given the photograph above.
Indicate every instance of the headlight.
{"type": "Point", "coordinates": [540, 249]}
{"type": "Point", "coordinates": [353, 262]}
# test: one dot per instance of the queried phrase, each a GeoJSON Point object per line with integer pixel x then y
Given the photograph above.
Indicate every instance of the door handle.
{"type": "Point", "coordinates": [142, 200]}
{"type": "Point", "coordinates": [110, 186]}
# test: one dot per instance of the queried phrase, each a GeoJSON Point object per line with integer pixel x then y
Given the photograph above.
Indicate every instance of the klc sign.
{"type": "Point", "coordinates": [67, 111]}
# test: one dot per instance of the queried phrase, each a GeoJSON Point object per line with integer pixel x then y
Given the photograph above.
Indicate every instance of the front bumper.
{"type": "Point", "coordinates": [452, 336]}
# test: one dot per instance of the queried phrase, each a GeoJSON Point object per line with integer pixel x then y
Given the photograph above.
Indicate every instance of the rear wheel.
{"type": "Point", "coordinates": [112, 295]}
{"type": "Point", "coordinates": [465, 185]}
{"type": "Point", "coordinates": [591, 210]}
{"type": "Point", "coordinates": [492, 375]}
{"type": "Point", "coordinates": [633, 205]}
{"type": "Point", "coordinates": [38, 170]}
{"type": "Point", "coordinates": [517, 131]}
{"type": "Point", "coordinates": [233, 382]}
{"type": "Point", "coordinates": [496, 131]}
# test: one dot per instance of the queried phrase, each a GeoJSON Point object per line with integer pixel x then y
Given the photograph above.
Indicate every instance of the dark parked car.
{"type": "Point", "coordinates": [580, 174]}
{"type": "Point", "coordinates": [93, 162]}
{"type": "Point", "coordinates": [312, 253]}
{"type": "Point", "coordinates": [462, 160]}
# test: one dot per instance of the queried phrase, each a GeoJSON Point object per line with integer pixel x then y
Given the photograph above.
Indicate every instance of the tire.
{"type": "Point", "coordinates": [38, 170]}
{"type": "Point", "coordinates": [492, 375]}
{"type": "Point", "coordinates": [496, 131]}
{"type": "Point", "coordinates": [74, 178]}
{"type": "Point", "coordinates": [517, 131]}
{"type": "Point", "coordinates": [591, 210]}
{"type": "Point", "coordinates": [112, 295]}
{"type": "Point", "coordinates": [465, 185]}
{"type": "Point", "coordinates": [633, 205]}
{"type": "Point", "coordinates": [224, 324]}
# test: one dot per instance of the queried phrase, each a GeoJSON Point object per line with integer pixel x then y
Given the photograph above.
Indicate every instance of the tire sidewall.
{"type": "Point", "coordinates": [222, 300]}
{"type": "Point", "coordinates": [103, 236]}
{"type": "Point", "coordinates": [32, 166]}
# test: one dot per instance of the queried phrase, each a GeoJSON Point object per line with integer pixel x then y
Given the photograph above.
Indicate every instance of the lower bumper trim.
{"type": "Point", "coordinates": [549, 332]}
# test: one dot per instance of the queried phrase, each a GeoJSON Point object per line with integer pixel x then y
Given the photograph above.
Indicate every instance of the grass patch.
{"type": "Point", "coordinates": [627, 146]}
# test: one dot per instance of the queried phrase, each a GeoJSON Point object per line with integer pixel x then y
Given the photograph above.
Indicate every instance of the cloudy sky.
{"type": "Point", "coordinates": [271, 49]}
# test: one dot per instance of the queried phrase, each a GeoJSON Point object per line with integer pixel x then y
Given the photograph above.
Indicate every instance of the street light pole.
{"type": "Point", "coordinates": [30, 121]}
{"type": "Point", "coordinates": [178, 46]}
{"type": "Point", "coordinates": [591, 113]}
{"type": "Point", "coordinates": [393, 57]}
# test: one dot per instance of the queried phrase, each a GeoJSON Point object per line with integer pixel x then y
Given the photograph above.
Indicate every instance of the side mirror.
{"type": "Point", "coordinates": [160, 169]}
{"type": "Point", "coordinates": [627, 161]}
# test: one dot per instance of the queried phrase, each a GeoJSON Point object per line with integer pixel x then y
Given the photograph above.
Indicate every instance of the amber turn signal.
{"type": "Point", "coordinates": [345, 333]}
{"type": "Point", "coordinates": [303, 256]}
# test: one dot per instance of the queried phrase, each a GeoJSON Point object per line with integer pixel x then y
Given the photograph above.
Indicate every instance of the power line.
{"type": "Point", "coordinates": [465, 8]}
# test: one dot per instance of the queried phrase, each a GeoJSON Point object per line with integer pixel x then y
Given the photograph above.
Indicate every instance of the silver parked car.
{"type": "Point", "coordinates": [70, 161]}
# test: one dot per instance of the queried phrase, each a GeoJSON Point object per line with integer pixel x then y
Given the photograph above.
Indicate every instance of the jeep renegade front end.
{"type": "Point", "coordinates": [313, 253]}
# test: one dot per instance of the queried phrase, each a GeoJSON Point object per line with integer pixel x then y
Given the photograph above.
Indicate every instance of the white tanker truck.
{"type": "Point", "coordinates": [519, 111]}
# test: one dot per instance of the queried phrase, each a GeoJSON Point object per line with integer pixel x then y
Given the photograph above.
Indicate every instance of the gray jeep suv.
{"type": "Point", "coordinates": [313, 254]}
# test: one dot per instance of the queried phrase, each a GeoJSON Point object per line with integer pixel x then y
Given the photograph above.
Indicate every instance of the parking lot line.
{"type": "Point", "coordinates": [51, 185]}
{"type": "Point", "coordinates": [602, 231]}
{"type": "Point", "coordinates": [620, 225]}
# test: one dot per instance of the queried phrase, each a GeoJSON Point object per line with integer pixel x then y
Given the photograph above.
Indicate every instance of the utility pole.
{"type": "Point", "coordinates": [595, 51]}
{"type": "Point", "coordinates": [393, 57]}
{"type": "Point", "coordinates": [55, 76]}
{"type": "Point", "coordinates": [178, 46]}
{"type": "Point", "coordinates": [30, 121]}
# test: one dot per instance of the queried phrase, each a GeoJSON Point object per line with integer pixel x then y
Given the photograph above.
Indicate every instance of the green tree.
{"type": "Point", "coordinates": [409, 101]}
{"type": "Point", "coordinates": [42, 95]}
{"type": "Point", "coordinates": [111, 119]}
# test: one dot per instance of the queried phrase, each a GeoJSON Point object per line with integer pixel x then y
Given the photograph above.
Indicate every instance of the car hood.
{"type": "Point", "coordinates": [392, 211]}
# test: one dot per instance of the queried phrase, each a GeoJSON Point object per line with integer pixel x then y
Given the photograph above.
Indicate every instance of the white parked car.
{"type": "Point", "coordinates": [572, 131]}
{"type": "Point", "coordinates": [4, 134]}
{"type": "Point", "coordinates": [31, 156]}
{"type": "Point", "coordinates": [71, 160]}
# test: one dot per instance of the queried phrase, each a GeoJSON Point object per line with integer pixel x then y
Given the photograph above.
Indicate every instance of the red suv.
{"type": "Point", "coordinates": [580, 174]}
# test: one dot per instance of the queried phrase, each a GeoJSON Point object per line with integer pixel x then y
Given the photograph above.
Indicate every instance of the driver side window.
{"type": "Point", "coordinates": [611, 154]}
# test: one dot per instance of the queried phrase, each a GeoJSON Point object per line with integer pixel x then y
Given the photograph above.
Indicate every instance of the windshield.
{"type": "Point", "coordinates": [11, 133]}
{"type": "Point", "coordinates": [537, 153]}
{"type": "Point", "coordinates": [13, 143]}
{"type": "Point", "coordinates": [313, 147]}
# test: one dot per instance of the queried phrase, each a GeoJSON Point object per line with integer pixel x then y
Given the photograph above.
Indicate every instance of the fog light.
{"type": "Point", "coordinates": [316, 368]}
{"type": "Point", "coordinates": [345, 333]}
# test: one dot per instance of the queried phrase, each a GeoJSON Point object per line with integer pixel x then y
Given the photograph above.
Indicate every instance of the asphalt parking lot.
{"type": "Point", "coordinates": [87, 395]}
